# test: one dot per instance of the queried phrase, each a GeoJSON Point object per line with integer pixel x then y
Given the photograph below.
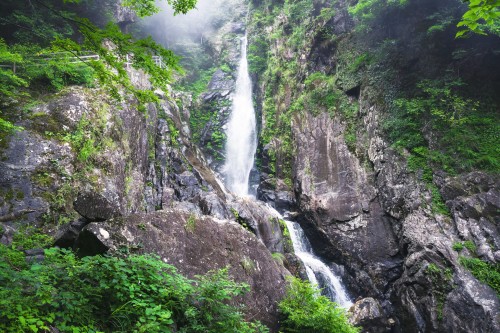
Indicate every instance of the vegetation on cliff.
{"type": "Point", "coordinates": [139, 293]}
{"type": "Point", "coordinates": [305, 310]}
{"type": "Point", "coordinates": [444, 115]}
{"type": "Point", "coordinates": [46, 46]}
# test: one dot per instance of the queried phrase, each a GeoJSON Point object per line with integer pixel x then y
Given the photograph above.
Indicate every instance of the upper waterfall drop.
{"type": "Point", "coordinates": [241, 134]}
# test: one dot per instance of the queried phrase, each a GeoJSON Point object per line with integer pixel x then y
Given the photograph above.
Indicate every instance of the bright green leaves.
{"type": "Point", "coordinates": [9, 81]}
{"type": "Point", "coordinates": [142, 7]}
{"type": "Point", "coordinates": [483, 16]}
{"type": "Point", "coordinates": [305, 310]}
{"type": "Point", "coordinates": [119, 52]}
{"type": "Point", "coordinates": [137, 294]}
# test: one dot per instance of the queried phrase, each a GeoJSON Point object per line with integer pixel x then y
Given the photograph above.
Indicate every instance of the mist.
{"type": "Point", "coordinates": [194, 27]}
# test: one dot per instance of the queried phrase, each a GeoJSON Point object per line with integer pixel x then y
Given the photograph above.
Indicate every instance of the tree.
{"type": "Point", "coordinates": [483, 16]}
{"type": "Point", "coordinates": [35, 27]}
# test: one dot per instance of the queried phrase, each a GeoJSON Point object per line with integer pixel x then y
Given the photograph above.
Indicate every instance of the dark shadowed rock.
{"type": "Point", "coordinates": [196, 245]}
{"type": "Point", "coordinates": [95, 207]}
{"type": "Point", "coordinates": [67, 234]}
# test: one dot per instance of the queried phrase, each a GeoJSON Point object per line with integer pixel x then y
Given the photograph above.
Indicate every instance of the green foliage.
{"type": "Point", "coordinates": [458, 246]}
{"type": "Point", "coordinates": [258, 56]}
{"type": "Point", "coordinates": [463, 131]}
{"type": "Point", "coordinates": [54, 74]}
{"type": "Point", "coordinates": [367, 10]}
{"type": "Point", "coordinates": [482, 17]}
{"type": "Point", "coordinates": [279, 257]}
{"type": "Point", "coordinates": [469, 245]}
{"type": "Point", "coordinates": [441, 285]}
{"type": "Point", "coordinates": [149, 7]}
{"type": "Point", "coordinates": [483, 271]}
{"type": "Point", "coordinates": [191, 223]}
{"type": "Point", "coordinates": [109, 294]}
{"type": "Point", "coordinates": [87, 139]}
{"type": "Point", "coordinates": [62, 63]}
{"type": "Point", "coordinates": [305, 310]}
{"type": "Point", "coordinates": [198, 84]}
{"type": "Point", "coordinates": [9, 81]}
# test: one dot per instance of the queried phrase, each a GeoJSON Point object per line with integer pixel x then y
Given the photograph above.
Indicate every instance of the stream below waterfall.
{"type": "Point", "coordinates": [240, 152]}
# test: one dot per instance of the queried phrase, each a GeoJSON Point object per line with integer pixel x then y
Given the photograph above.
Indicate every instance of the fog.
{"type": "Point", "coordinates": [172, 31]}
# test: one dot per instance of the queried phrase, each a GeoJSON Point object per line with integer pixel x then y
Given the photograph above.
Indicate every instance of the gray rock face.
{"type": "Point", "coordinates": [339, 208]}
{"type": "Point", "coordinates": [44, 166]}
{"type": "Point", "coordinates": [367, 312]}
{"type": "Point", "coordinates": [94, 207]}
{"type": "Point", "coordinates": [196, 245]}
{"type": "Point", "coordinates": [261, 221]}
{"type": "Point", "coordinates": [379, 224]}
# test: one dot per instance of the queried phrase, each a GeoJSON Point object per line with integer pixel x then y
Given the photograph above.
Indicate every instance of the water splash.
{"type": "Point", "coordinates": [241, 135]}
{"type": "Point", "coordinates": [317, 272]}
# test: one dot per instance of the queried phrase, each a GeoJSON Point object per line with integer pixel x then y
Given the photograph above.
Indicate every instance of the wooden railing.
{"type": "Point", "coordinates": [84, 57]}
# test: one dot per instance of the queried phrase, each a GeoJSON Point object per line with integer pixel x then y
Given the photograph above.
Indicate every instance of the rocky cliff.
{"type": "Point", "coordinates": [327, 91]}
{"type": "Point", "coordinates": [102, 177]}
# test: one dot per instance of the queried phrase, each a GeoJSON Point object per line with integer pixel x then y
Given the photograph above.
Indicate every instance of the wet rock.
{"type": "Point", "coordinates": [368, 312]}
{"type": "Point", "coordinates": [261, 221]}
{"type": "Point", "coordinates": [196, 245]}
{"type": "Point", "coordinates": [95, 207]}
{"type": "Point", "coordinates": [329, 179]}
{"type": "Point", "coordinates": [238, 28]}
{"type": "Point", "coordinates": [284, 201]}
{"type": "Point", "coordinates": [212, 205]}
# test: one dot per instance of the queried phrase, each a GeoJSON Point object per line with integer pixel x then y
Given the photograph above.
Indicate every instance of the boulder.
{"type": "Point", "coordinates": [95, 207]}
{"type": "Point", "coordinates": [367, 312]}
{"type": "Point", "coordinates": [196, 245]}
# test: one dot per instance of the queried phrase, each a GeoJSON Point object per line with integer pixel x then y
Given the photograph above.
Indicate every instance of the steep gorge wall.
{"type": "Point", "coordinates": [357, 198]}
{"type": "Point", "coordinates": [102, 177]}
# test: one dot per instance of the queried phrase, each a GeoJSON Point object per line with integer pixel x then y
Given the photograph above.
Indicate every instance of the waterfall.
{"type": "Point", "coordinates": [317, 272]}
{"type": "Point", "coordinates": [241, 145]}
{"type": "Point", "coordinates": [241, 135]}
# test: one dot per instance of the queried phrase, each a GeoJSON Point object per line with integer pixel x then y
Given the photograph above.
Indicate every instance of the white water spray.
{"type": "Point", "coordinates": [317, 272]}
{"type": "Point", "coordinates": [241, 135]}
{"type": "Point", "coordinates": [240, 150]}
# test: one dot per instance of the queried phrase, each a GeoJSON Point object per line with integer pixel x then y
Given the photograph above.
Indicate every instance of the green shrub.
{"type": "Point", "coordinates": [464, 131]}
{"type": "Point", "coordinates": [58, 73]}
{"type": "Point", "coordinates": [108, 294]}
{"type": "Point", "coordinates": [470, 246]}
{"type": "Point", "coordinates": [483, 271]}
{"type": "Point", "coordinates": [305, 310]}
{"type": "Point", "coordinates": [458, 246]}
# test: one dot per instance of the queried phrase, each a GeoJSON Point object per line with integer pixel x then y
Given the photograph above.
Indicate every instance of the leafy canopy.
{"type": "Point", "coordinates": [483, 16]}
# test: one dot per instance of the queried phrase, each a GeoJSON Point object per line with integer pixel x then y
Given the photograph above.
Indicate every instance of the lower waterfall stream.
{"type": "Point", "coordinates": [240, 151]}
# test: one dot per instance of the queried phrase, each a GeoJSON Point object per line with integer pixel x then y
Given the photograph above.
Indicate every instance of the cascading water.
{"type": "Point", "coordinates": [241, 145]}
{"type": "Point", "coordinates": [241, 131]}
{"type": "Point", "coordinates": [317, 272]}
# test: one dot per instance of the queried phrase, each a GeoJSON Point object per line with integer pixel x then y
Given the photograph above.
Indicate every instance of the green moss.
{"type": "Point", "coordinates": [442, 284]}
{"type": "Point", "coordinates": [278, 257]}
{"type": "Point", "coordinates": [191, 223]}
{"type": "Point", "coordinates": [248, 265]}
